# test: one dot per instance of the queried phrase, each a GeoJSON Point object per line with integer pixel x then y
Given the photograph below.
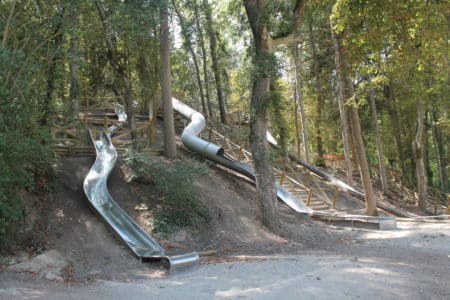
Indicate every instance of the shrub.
{"type": "Point", "coordinates": [174, 184]}
{"type": "Point", "coordinates": [25, 146]}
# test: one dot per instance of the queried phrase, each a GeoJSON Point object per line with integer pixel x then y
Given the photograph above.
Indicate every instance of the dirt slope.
{"type": "Point", "coordinates": [68, 224]}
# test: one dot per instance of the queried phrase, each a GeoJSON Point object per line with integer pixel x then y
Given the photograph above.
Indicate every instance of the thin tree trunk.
{"type": "Point", "coordinates": [296, 121]}
{"type": "Point", "coordinates": [205, 61]}
{"type": "Point", "coordinates": [170, 149]}
{"type": "Point", "coordinates": [379, 144]}
{"type": "Point", "coordinates": [395, 123]}
{"type": "Point", "coordinates": [146, 92]}
{"type": "Point", "coordinates": [75, 84]}
{"type": "Point", "coordinates": [75, 91]}
{"type": "Point", "coordinates": [427, 149]}
{"type": "Point", "coordinates": [300, 104]}
{"type": "Point", "coordinates": [342, 108]}
{"type": "Point", "coordinates": [7, 25]}
{"type": "Point", "coordinates": [52, 71]}
{"type": "Point", "coordinates": [215, 62]}
{"type": "Point", "coordinates": [265, 181]}
{"type": "Point", "coordinates": [317, 85]}
{"type": "Point", "coordinates": [442, 159]}
{"type": "Point", "coordinates": [193, 55]}
{"type": "Point", "coordinates": [278, 120]}
{"type": "Point", "coordinates": [371, 202]}
{"type": "Point", "coordinates": [418, 154]}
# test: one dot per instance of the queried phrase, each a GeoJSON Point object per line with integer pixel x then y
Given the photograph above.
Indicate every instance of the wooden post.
{"type": "Point", "coordinates": [71, 149]}
{"type": "Point", "coordinates": [240, 153]}
{"type": "Point", "coordinates": [283, 175]}
{"type": "Point", "coordinates": [310, 192]}
{"type": "Point", "coordinates": [436, 203]}
{"type": "Point", "coordinates": [448, 204]}
{"type": "Point", "coordinates": [105, 122]}
{"type": "Point", "coordinates": [336, 193]}
{"type": "Point", "coordinates": [308, 179]}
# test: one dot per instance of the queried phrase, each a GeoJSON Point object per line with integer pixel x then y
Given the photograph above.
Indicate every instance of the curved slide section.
{"type": "Point", "coordinates": [216, 153]}
{"type": "Point", "coordinates": [131, 234]}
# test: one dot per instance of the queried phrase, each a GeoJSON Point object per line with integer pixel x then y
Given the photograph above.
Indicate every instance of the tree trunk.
{"type": "Point", "coordinates": [300, 104]}
{"type": "Point", "coordinates": [188, 43]}
{"type": "Point", "coordinates": [395, 123]}
{"type": "Point", "coordinates": [418, 154]}
{"type": "Point", "coordinates": [298, 135]}
{"type": "Point", "coordinates": [427, 149]}
{"type": "Point", "coordinates": [442, 159]}
{"type": "Point", "coordinates": [205, 61]}
{"type": "Point", "coordinates": [170, 149]}
{"type": "Point", "coordinates": [265, 182]}
{"type": "Point", "coordinates": [342, 108]}
{"type": "Point", "coordinates": [371, 202]}
{"type": "Point", "coordinates": [215, 62]}
{"type": "Point", "coordinates": [146, 92]}
{"type": "Point", "coordinates": [75, 84]}
{"type": "Point", "coordinates": [379, 144]}
{"type": "Point", "coordinates": [317, 85]}
{"type": "Point", "coordinates": [278, 120]}
{"type": "Point", "coordinates": [55, 44]}
{"type": "Point", "coordinates": [7, 25]}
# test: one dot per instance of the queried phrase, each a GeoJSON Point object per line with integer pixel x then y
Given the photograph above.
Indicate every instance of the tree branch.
{"type": "Point", "coordinates": [294, 36]}
{"type": "Point", "coordinates": [6, 31]}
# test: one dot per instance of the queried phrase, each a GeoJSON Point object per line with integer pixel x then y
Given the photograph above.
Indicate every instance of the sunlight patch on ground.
{"type": "Point", "coordinates": [412, 230]}
{"type": "Point", "coordinates": [368, 270]}
{"type": "Point", "coordinates": [237, 292]}
{"type": "Point", "coordinates": [59, 214]}
{"type": "Point", "coordinates": [88, 225]}
{"type": "Point", "coordinates": [30, 293]}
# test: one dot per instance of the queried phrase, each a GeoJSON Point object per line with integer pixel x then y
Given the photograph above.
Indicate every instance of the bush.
{"type": "Point", "coordinates": [174, 184]}
{"type": "Point", "coordinates": [25, 146]}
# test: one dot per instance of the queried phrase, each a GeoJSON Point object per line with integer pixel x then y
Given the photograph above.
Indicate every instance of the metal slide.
{"type": "Point", "coordinates": [132, 235]}
{"type": "Point", "coordinates": [213, 152]}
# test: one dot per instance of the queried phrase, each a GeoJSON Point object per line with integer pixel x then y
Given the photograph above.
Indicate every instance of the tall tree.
{"type": "Point", "coordinates": [265, 43]}
{"type": "Point", "coordinates": [170, 149]}
{"type": "Point", "coordinates": [215, 61]}
{"type": "Point", "coordinates": [395, 124]}
{"type": "Point", "coordinates": [342, 69]}
{"type": "Point", "coordinates": [440, 147]}
{"type": "Point", "coordinates": [74, 61]}
{"type": "Point", "coordinates": [185, 31]}
{"type": "Point", "coordinates": [56, 43]}
{"type": "Point", "coordinates": [318, 92]}
{"type": "Point", "coordinates": [299, 105]}
{"type": "Point", "coordinates": [201, 41]}
{"type": "Point", "coordinates": [371, 202]}
{"type": "Point", "coordinates": [379, 143]}
{"type": "Point", "coordinates": [418, 153]}
{"type": "Point", "coordinates": [342, 108]}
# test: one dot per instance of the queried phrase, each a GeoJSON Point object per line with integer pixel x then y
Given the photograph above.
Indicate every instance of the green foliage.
{"type": "Point", "coordinates": [279, 108]}
{"type": "Point", "coordinates": [25, 148]}
{"type": "Point", "coordinates": [174, 184]}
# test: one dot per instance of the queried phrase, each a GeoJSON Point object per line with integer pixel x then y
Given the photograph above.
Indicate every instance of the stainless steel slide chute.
{"type": "Point", "coordinates": [213, 152]}
{"type": "Point", "coordinates": [216, 153]}
{"type": "Point", "coordinates": [132, 235]}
